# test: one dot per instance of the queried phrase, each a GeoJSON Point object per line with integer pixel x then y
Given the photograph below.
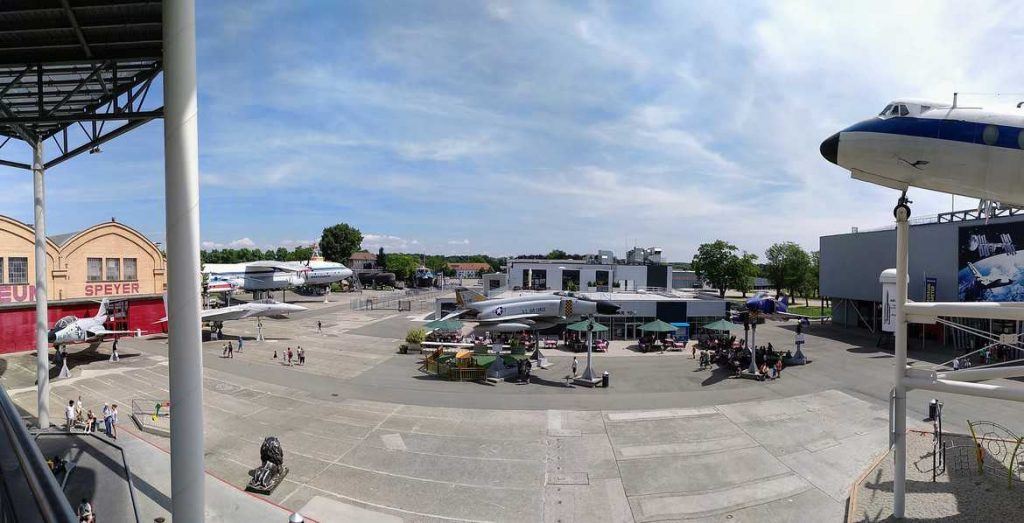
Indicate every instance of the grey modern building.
{"type": "Point", "coordinates": [586, 275]}
{"type": "Point", "coordinates": [957, 256]}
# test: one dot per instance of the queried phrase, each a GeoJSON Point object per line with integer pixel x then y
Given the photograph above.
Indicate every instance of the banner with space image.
{"type": "Point", "coordinates": [989, 266]}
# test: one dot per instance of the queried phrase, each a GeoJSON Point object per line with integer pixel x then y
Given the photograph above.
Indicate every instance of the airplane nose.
{"type": "Point", "coordinates": [830, 148]}
{"type": "Point", "coordinates": [606, 307]}
{"type": "Point", "coordinates": [51, 336]}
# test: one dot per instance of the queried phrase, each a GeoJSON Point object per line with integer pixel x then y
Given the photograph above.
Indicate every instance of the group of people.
{"type": "Point", "coordinates": [229, 349]}
{"type": "Point", "coordinates": [75, 416]}
{"type": "Point", "coordinates": [732, 354]}
{"type": "Point", "coordinates": [289, 357]}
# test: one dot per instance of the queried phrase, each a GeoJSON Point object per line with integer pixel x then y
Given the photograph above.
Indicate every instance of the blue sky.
{"type": "Point", "coordinates": [511, 127]}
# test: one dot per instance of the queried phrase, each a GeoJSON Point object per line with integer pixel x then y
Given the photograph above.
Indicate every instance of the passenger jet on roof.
{"type": "Point", "coordinates": [272, 275]}
{"type": "Point", "coordinates": [933, 145]}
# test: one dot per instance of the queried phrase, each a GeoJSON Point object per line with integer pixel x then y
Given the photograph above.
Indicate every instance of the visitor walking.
{"type": "Point", "coordinates": [319, 327]}
{"type": "Point", "coordinates": [224, 351]}
{"type": "Point", "coordinates": [302, 356]}
{"type": "Point", "coordinates": [289, 356]}
{"type": "Point", "coordinates": [231, 350]}
{"type": "Point", "coordinates": [956, 363]}
{"type": "Point", "coordinates": [239, 344]}
{"type": "Point", "coordinates": [274, 357]}
{"type": "Point", "coordinates": [113, 420]}
{"type": "Point", "coordinates": [69, 415]}
{"type": "Point", "coordinates": [778, 368]}
{"type": "Point", "coordinates": [107, 420]}
{"type": "Point", "coordinates": [693, 351]}
{"type": "Point", "coordinates": [575, 365]}
{"type": "Point", "coordinates": [113, 352]}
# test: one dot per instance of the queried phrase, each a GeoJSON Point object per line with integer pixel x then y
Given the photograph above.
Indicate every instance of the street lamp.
{"type": "Point", "coordinates": [588, 374]}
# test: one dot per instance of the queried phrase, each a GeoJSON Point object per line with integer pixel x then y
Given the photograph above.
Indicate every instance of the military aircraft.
{"type": "Point", "coordinates": [257, 309]}
{"type": "Point", "coordinates": [777, 309]}
{"type": "Point", "coordinates": [530, 312]}
{"type": "Point", "coordinates": [968, 151]}
{"type": "Point", "coordinates": [272, 275]}
{"type": "Point", "coordinates": [71, 329]}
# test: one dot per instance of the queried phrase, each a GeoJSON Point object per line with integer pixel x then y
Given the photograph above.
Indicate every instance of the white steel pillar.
{"type": "Point", "coordinates": [181, 176]}
{"type": "Point", "coordinates": [902, 213]}
{"type": "Point", "coordinates": [42, 344]}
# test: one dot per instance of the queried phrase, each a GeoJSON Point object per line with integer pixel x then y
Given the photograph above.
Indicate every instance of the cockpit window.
{"type": "Point", "coordinates": [885, 112]}
{"type": "Point", "coordinates": [903, 110]}
{"type": "Point", "coordinates": [64, 322]}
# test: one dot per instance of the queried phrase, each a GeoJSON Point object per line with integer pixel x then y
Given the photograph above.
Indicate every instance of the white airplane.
{"type": "Point", "coordinates": [272, 275]}
{"type": "Point", "coordinates": [71, 329]}
{"type": "Point", "coordinates": [242, 311]}
{"type": "Point", "coordinates": [967, 151]}
{"type": "Point", "coordinates": [531, 312]}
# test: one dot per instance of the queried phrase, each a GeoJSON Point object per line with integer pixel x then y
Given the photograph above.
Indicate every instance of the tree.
{"type": "Point", "coordinates": [714, 263]}
{"type": "Point", "coordinates": [338, 242]}
{"type": "Point", "coordinates": [557, 254]}
{"type": "Point", "coordinates": [742, 271]}
{"type": "Point", "coordinates": [382, 259]}
{"type": "Point", "coordinates": [787, 266]}
{"type": "Point", "coordinates": [402, 265]}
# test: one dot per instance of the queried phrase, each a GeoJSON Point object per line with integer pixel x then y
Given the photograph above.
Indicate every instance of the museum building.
{"type": "Point", "coordinates": [954, 256]}
{"type": "Point", "coordinates": [108, 260]}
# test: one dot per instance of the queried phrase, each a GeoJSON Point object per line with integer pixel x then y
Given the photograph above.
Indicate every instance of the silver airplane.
{"type": "Point", "coordinates": [532, 312]}
{"type": "Point", "coordinates": [71, 329]}
{"type": "Point", "coordinates": [242, 311]}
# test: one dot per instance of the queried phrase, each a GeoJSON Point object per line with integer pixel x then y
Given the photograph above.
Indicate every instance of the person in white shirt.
{"type": "Point", "coordinates": [956, 363]}
{"type": "Point", "coordinates": [69, 415]}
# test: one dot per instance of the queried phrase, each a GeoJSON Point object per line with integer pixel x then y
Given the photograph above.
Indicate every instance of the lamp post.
{"type": "Point", "coordinates": [588, 374]}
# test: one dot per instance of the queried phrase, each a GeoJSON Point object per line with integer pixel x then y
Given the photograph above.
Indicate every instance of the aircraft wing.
{"type": "Point", "coordinates": [455, 314]}
{"type": "Point", "coordinates": [225, 314]}
{"type": "Point", "coordinates": [104, 332]}
{"type": "Point", "coordinates": [802, 317]}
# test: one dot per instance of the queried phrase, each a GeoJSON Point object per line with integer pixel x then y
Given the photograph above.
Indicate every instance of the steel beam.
{"type": "Point", "coordinates": [98, 141]}
{"type": "Point", "coordinates": [42, 345]}
{"type": "Point", "coordinates": [79, 117]}
{"type": "Point", "coordinates": [181, 178]}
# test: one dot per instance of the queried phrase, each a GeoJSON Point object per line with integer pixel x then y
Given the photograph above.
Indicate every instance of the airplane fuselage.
{"type": "Point", "coordinates": [970, 152]}
{"type": "Point", "coordinates": [257, 277]}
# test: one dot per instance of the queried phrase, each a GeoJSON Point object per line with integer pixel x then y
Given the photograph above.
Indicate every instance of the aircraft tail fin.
{"type": "Point", "coordinates": [102, 312]}
{"type": "Point", "coordinates": [465, 296]}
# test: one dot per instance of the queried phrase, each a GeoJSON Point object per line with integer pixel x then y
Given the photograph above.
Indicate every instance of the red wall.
{"type": "Point", "coordinates": [18, 324]}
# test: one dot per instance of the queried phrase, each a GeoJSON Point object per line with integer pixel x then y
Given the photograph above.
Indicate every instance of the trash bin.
{"type": "Point", "coordinates": [604, 379]}
{"type": "Point", "coordinates": [933, 409]}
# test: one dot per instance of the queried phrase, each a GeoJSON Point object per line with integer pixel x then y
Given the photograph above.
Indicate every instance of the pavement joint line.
{"type": "Point", "coordinates": [737, 506]}
{"type": "Point", "coordinates": [618, 469]}
{"type": "Point", "coordinates": [482, 458]}
{"type": "Point", "coordinates": [396, 509]}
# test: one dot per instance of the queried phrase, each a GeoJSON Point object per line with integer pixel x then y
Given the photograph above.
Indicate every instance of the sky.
{"type": "Point", "coordinates": [520, 127]}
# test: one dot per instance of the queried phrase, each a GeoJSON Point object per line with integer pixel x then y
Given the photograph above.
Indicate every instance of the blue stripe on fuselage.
{"type": "Point", "coordinates": [953, 130]}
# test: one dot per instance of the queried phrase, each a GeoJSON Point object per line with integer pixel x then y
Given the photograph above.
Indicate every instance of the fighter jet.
{"type": "Point", "coordinates": [532, 312]}
{"type": "Point", "coordinates": [968, 151]}
{"type": "Point", "coordinates": [71, 329]}
{"type": "Point", "coordinates": [777, 309]}
{"type": "Point", "coordinates": [241, 311]}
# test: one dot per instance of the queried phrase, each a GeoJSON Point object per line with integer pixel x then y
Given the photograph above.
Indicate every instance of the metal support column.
{"type": "Point", "coordinates": [42, 344]}
{"type": "Point", "coordinates": [588, 373]}
{"type": "Point", "coordinates": [181, 173]}
{"type": "Point", "coordinates": [902, 213]}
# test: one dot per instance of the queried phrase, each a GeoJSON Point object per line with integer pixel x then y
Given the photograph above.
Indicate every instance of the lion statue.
{"type": "Point", "coordinates": [272, 470]}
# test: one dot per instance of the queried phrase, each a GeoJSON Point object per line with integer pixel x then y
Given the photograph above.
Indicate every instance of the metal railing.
{"type": "Point", "coordinates": [28, 490]}
{"type": "Point", "coordinates": [397, 300]}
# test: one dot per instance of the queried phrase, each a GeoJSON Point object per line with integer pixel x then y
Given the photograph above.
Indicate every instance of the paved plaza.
{"type": "Point", "coordinates": [367, 437]}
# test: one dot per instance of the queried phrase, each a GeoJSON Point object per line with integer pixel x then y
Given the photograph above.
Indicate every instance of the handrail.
{"type": "Point", "coordinates": [53, 505]}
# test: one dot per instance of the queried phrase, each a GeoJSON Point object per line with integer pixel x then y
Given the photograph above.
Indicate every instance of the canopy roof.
{"type": "Point", "coordinates": [658, 326]}
{"type": "Point", "coordinates": [585, 325]}
{"type": "Point", "coordinates": [69, 72]}
{"type": "Point", "coordinates": [444, 325]}
{"type": "Point", "coordinates": [723, 325]}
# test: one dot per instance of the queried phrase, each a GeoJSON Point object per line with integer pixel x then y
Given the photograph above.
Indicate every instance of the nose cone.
{"type": "Point", "coordinates": [51, 336]}
{"type": "Point", "coordinates": [293, 308]}
{"type": "Point", "coordinates": [606, 307]}
{"type": "Point", "coordinates": [830, 148]}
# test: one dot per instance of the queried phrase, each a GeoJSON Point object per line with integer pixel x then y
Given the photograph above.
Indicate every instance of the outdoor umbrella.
{"type": "Point", "coordinates": [658, 326]}
{"type": "Point", "coordinates": [723, 325]}
{"type": "Point", "coordinates": [444, 325]}
{"type": "Point", "coordinates": [583, 326]}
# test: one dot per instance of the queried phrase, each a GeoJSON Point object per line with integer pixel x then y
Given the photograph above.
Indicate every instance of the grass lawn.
{"type": "Point", "coordinates": [810, 311]}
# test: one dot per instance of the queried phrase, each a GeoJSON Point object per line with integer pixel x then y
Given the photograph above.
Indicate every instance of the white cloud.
{"type": "Point", "coordinates": [241, 243]}
{"type": "Point", "coordinates": [464, 241]}
{"type": "Point", "coordinates": [372, 242]}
